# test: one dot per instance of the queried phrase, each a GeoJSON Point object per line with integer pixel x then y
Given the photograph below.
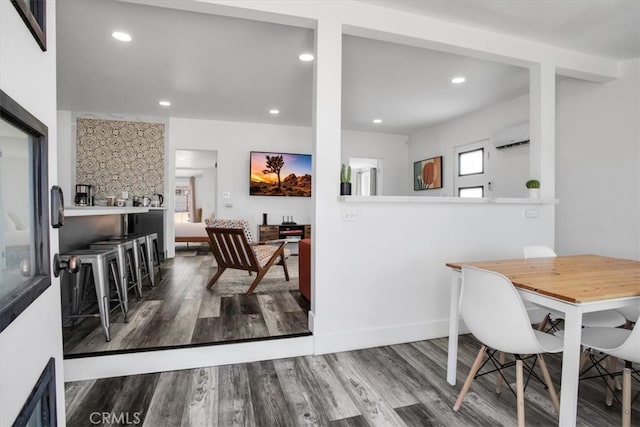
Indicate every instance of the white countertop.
{"type": "Point", "coordinates": [445, 200]}
{"type": "Point", "coordinates": [103, 210]}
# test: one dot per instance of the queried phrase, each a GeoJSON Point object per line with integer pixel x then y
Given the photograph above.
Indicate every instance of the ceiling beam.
{"type": "Point", "coordinates": [366, 20]}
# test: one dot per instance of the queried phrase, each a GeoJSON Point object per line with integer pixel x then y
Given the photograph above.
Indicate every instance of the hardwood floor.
{"type": "Point", "coordinates": [181, 311]}
{"type": "Point", "coordinates": [400, 385]}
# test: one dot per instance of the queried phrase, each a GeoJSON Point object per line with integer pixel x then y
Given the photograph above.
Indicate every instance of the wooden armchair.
{"type": "Point", "coordinates": [233, 247]}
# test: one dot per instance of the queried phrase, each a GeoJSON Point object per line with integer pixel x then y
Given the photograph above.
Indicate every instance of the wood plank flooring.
{"type": "Point", "coordinates": [400, 385]}
{"type": "Point", "coordinates": [181, 311]}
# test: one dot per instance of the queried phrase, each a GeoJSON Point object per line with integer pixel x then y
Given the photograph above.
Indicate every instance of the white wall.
{"type": "Point", "coordinates": [598, 177]}
{"type": "Point", "coordinates": [389, 282]}
{"type": "Point", "coordinates": [233, 141]}
{"type": "Point", "coordinates": [393, 151]}
{"type": "Point", "coordinates": [509, 167]}
{"type": "Point", "coordinates": [28, 75]}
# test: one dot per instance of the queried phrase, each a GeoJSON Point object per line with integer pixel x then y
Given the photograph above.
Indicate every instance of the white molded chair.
{"type": "Point", "coordinates": [607, 318]}
{"type": "Point", "coordinates": [488, 300]}
{"type": "Point", "coordinates": [622, 344]}
{"type": "Point", "coordinates": [631, 314]}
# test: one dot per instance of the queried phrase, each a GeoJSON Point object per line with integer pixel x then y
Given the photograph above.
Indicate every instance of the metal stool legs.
{"type": "Point", "coordinates": [102, 263]}
{"type": "Point", "coordinates": [125, 266]}
{"type": "Point", "coordinates": [153, 255]}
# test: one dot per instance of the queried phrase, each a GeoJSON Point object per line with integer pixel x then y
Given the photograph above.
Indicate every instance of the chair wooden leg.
{"type": "Point", "coordinates": [520, 392]}
{"type": "Point", "coordinates": [501, 360]}
{"type": "Point", "coordinates": [284, 266]}
{"type": "Point", "coordinates": [257, 280]}
{"type": "Point", "coordinates": [544, 322]}
{"type": "Point", "coordinates": [612, 363]}
{"type": "Point", "coordinates": [472, 373]}
{"type": "Point", "coordinates": [626, 397]}
{"type": "Point", "coordinates": [266, 268]}
{"type": "Point", "coordinates": [584, 358]}
{"type": "Point", "coordinates": [547, 381]}
{"type": "Point", "coordinates": [216, 276]}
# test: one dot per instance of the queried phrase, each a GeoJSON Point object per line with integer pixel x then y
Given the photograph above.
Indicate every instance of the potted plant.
{"type": "Point", "coordinates": [345, 180]}
{"type": "Point", "coordinates": [533, 188]}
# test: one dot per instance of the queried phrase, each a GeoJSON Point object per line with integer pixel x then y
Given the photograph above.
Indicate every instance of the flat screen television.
{"type": "Point", "coordinates": [280, 174]}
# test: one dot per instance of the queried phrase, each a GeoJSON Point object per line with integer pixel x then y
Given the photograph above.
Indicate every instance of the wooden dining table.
{"type": "Point", "coordinates": [573, 285]}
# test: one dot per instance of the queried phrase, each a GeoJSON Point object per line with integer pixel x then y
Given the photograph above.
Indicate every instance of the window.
{"type": "Point", "coordinates": [24, 247]}
{"type": "Point", "coordinates": [471, 192]}
{"type": "Point", "coordinates": [471, 162]}
{"type": "Point", "coordinates": [472, 174]}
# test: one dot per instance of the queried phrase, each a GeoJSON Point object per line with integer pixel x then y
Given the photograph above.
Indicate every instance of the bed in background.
{"type": "Point", "coordinates": [191, 232]}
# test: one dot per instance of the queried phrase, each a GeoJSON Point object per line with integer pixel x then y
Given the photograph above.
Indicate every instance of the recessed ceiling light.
{"type": "Point", "coordinates": [377, 121]}
{"type": "Point", "coordinates": [274, 111]}
{"type": "Point", "coordinates": [164, 103]}
{"type": "Point", "coordinates": [306, 57]}
{"type": "Point", "coordinates": [119, 35]}
{"type": "Point", "coordinates": [458, 80]}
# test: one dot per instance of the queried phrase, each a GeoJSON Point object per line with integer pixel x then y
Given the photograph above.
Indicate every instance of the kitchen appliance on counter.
{"type": "Point", "coordinates": [84, 195]}
{"type": "Point", "coordinates": [156, 200]}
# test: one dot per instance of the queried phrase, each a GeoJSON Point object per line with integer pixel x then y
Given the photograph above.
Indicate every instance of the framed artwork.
{"type": "Point", "coordinates": [427, 174]}
{"type": "Point", "coordinates": [34, 15]}
{"type": "Point", "coordinates": [280, 174]}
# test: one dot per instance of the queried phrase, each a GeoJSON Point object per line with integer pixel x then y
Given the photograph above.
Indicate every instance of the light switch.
{"type": "Point", "coordinates": [349, 216]}
{"type": "Point", "coordinates": [226, 195]}
{"type": "Point", "coordinates": [531, 213]}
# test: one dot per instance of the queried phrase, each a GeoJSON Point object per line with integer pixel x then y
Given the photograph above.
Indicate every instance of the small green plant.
{"type": "Point", "coordinates": [533, 183]}
{"type": "Point", "coordinates": [345, 173]}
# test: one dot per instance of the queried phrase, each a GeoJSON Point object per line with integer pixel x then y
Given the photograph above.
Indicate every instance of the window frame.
{"type": "Point", "coordinates": [15, 303]}
{"type": "Point", "coordinates": [469, 188]}
{"type": "Point", "coordinates": [44, 393]}
{"type": "Point", "coordinates": [481, 149]}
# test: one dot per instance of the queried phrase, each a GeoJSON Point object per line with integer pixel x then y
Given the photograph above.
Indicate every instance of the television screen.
{"type": "Point", "coordinates": [280, 174]}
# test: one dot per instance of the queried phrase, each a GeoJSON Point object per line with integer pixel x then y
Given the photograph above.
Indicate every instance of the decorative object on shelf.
{"type": "Point", "coordinates": [287, 220]}
{"type": "Point", "coordinates": [427, 174]}
{"type": "Point", "coordinates": [264, 219]}
{"type": "Point", "coordinates": [533, 188]}
{"type": "Point", "coordinates": [345, 180]}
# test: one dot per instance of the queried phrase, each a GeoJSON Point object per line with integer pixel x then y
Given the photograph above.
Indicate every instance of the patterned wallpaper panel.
{"type": "Point", "coordinates": [116, 156]}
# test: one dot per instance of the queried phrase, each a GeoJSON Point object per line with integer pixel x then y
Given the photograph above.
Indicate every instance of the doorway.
{"type": "Point", "coordinates": [367, 175]}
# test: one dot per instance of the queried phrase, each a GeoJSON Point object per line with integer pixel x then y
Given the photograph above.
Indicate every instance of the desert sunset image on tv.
{"type": "Point", "coordinates": [280, 174]}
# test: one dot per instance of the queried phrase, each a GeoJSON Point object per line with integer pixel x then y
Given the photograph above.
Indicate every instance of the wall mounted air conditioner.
{"type": "Point", "coordinates": [512, 136]}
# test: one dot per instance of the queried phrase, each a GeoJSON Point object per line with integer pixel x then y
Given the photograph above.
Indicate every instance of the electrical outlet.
{"type": "Point", "coordinates": [349, 216]}
{"type": "Point", "coordinates": [226, 195]}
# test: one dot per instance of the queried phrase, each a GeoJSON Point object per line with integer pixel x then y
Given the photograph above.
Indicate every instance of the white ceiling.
{"type": "Point", "coordinates": [222, 68]}
{"type": "Point", "coordinates": [607, 28]}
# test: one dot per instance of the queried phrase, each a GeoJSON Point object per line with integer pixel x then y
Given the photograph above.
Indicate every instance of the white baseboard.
{"type": "Point", "coordinates": [185, 358]}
